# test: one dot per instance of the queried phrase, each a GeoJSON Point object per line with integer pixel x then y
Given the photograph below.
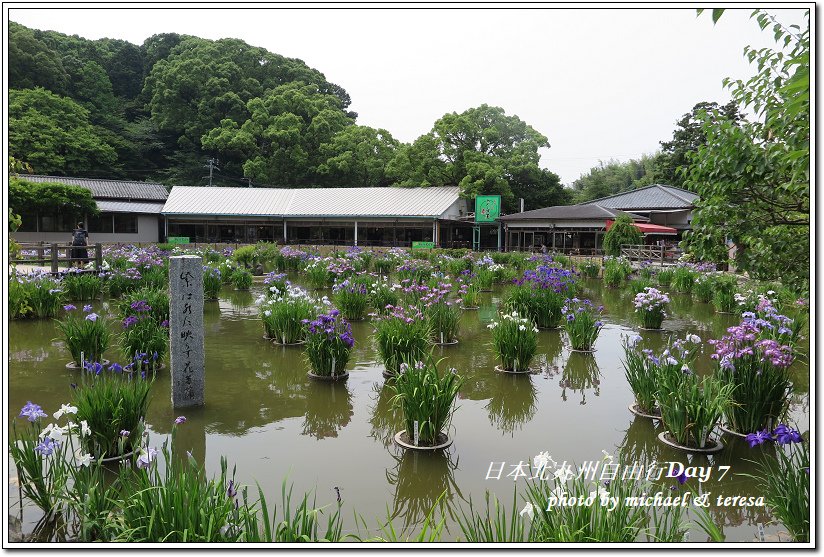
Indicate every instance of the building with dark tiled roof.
{"type": "Point", "coordinates": [661, 212]}
{"type": "Point", "coordinates": [129, 212]}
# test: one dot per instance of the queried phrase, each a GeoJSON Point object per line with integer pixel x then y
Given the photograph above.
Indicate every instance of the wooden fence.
{"type": "Point", "coordinates": [55, 254]}
{"type": "Point", "coordinates": [648, 253]}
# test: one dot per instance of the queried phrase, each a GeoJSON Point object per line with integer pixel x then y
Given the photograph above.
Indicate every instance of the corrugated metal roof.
{"type": "Point", "coordinates": [570, 212]}
{"type": "Point", "coordinates": [373, 202]}
{"type": "Point", "coordinates": [129, 207]}
{"type": "Point", "coordinates": [196, 200]}
{"type": "Point", "coordinates": [108, 189]}
{"type": "Point", "coordinates": [311, 202]}
{"type": "Point", "coordinates": [656, 196]}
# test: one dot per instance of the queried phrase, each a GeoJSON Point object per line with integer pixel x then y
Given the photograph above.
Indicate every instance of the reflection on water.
{"type": "Point", "coordinates": [328, 408]}
{"type": "Point", "coordinates": [264, 414]}
{"type": "Point", "coordinates": [420, 478]}
{"type": "Point", "coordinates": [581, 374]}
{"type": "Point", "coordinates": [513, 402]}
{"type": "Point", "coordinates": [386, 420]}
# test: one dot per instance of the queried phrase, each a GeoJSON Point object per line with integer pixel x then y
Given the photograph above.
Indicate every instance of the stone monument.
{"type": "Point", "coordinates": [187, 357]}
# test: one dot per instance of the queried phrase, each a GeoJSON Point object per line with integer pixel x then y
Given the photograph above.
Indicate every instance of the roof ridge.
{"type": "Point", "coordinates": [592, 201]}
{"type": "Point", "coordinates": [665, 188]}
{"type": "Point", "coordinates": [88, 179]}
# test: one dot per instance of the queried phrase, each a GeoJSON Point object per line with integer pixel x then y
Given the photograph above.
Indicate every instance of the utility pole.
{"type": "Point", "coordinates": [248, 182]}
{"type": "Point", "coordinates": [211, 164]}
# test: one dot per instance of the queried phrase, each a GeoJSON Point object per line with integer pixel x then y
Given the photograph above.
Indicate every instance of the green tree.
{"type": "Point", "coordinates": [622, 231]}
{"type": "Point", "coordinates": [481, 150]}
{"type": "Point", "coordinates": [418, 164]}
{"type": "Point", "coordinates": [55, 135]}
{"type": "Point", "coordinates": [357, 156]}
{"type": "Point", "coordinates": [688, 137]}
{"type": "Point", "coordinates": [615, 177]}
{"type": "Point", "coordinates": [32, 63]}
{"type": "Point", "coordinates": [753, 177]}
{"type": "Point", "coordinates": [47, 197]}
{"type": "Point", "coordinates": [279, 143]}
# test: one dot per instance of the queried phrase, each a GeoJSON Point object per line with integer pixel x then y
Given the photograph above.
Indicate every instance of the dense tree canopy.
{"type": "Point", "coordinates": [688, 137]}
{"type": "Point", "coordinates": [36, 197]}
{"type": "Point", "coordinates": [483, 151]}
{"type": "Point", "coordinates": [615, 177]}
{"type": "Point", "coordinates": [54, 135]}
{"type": "Point", "coordinates": [161, 109]}
{"type": "Point", "coordinates": [754, 176]}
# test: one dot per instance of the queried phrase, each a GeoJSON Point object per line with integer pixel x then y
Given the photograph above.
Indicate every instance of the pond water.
{"type": "Point", "coordinates": [272, 422]}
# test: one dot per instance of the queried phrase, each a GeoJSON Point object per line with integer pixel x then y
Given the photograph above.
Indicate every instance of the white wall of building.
{"type": "Point", "coordinates": [147, 232]}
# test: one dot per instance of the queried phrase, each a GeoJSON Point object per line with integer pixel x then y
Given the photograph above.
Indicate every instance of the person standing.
{"type": "Point", "coordinates": [80, 239]}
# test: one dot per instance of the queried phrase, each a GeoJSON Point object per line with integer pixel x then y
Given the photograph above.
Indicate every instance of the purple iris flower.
{"type": "Point", "coordinates": [129, 321]}
{"type": "Point", "coordinates": [87, 308]}
{"type": "Point", "coordinates": [682, 477]}
{"type": "Point", "coordinates": [46, 446]}
{"type": "Point", "coordinates": [95, 367]}
{"type": "Point", "coordinates": [32, 412]}
{"type": "Point", "coordinates": [180, 420]}
{"type": "Point", "coordinates": [125, 432]}
{"type": "Point", "coordinates": [115, 367]}
{"type": "Point", "coordinates": [758, 438]}
{"type": "Point", "coordinates": [784, 435]}
{"type": "Point", "coordinates": [69, 307]}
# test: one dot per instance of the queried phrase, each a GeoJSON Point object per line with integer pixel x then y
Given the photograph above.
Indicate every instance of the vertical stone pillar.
{"type": "Point", "coordinates": [187, 357]}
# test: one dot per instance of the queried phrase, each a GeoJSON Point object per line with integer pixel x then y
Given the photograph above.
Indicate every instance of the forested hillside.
{"type": "Point", "coordinates": [161, 110]}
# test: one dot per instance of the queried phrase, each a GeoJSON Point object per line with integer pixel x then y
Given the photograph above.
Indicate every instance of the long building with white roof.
{"type": "Point", "coordinates": [344, 216]}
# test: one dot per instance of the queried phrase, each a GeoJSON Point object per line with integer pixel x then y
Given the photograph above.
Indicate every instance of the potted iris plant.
{"type": "Point", "coordinates": [426, 398]}
{"type": "Point", "coordinates": [515, 341]}
{"type": "Point", "coordinates": [329, 343]}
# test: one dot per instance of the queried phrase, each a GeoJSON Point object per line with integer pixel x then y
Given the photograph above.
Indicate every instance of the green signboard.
{"type": "Point", "coordinates": [487, 208]}
{"type": "Point", "coordinates": [178, 240]}
{"type": "Point", "coordinates": [423, 245]}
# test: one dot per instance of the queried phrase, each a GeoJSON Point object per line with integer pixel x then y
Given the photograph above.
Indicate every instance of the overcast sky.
{"type": "Point", "coordinates": [600, 84]}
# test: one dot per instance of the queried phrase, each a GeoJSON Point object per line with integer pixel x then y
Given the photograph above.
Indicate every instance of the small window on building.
{"type": "Point", "coordinates": [125, 223]}
{"type": "Point", "coordinates": [57, 223]}
{"type": "Point", "coordinates": [101, 223]}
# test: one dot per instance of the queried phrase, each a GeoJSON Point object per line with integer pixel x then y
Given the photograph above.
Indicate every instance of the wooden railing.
{"type": "Point", "coordinates": [55, 254]}
{"type": "Point", "coordinates": [649, 253]}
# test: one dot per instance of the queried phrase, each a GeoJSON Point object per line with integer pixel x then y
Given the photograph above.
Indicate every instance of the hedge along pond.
{"type": "Point", "coordinates": [269, 419]}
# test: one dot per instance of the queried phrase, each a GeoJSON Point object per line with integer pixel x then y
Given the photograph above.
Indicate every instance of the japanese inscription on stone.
{"type": "Point", "coordinates": [186, 330]}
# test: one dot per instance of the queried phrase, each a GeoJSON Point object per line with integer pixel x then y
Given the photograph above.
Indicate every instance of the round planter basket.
{"type": "Point", "coordinates": [450, 343]}
{"type": "Point", "coordinates": [555, 328]}
{"type": "Point", "coordinates": [715, 447]}
{"type": "Point", "coordinates": [590, 351]}
{"type": "Point", "coordinates": [339, 377]}
{"type": "Point", "coordinates": [658, 330]}
{"type": "Point", "coordinates": [158, 367]}
{"type": "Point", "coordinates": [725, 429]}
{"type": "Point", "coordinates": [298, 343]}
{"type": "Point", "coordinates": [403, 440]}
{"type": "Point", "coordinates": [469, 307]}
{"type": "Point", "coordinates": [72, 365]}
{"type": "Point", "coordinates": [388, 374]}
{"type": "Point", "coordinates": [527, 371]}
{"type": "Point", "coordinates": [634, 409]}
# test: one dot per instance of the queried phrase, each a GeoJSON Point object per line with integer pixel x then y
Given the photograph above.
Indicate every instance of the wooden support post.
{"type": "Point", "coordinates": [54, 256]}
{"type": "Point", "coordinates": [98, 257]}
